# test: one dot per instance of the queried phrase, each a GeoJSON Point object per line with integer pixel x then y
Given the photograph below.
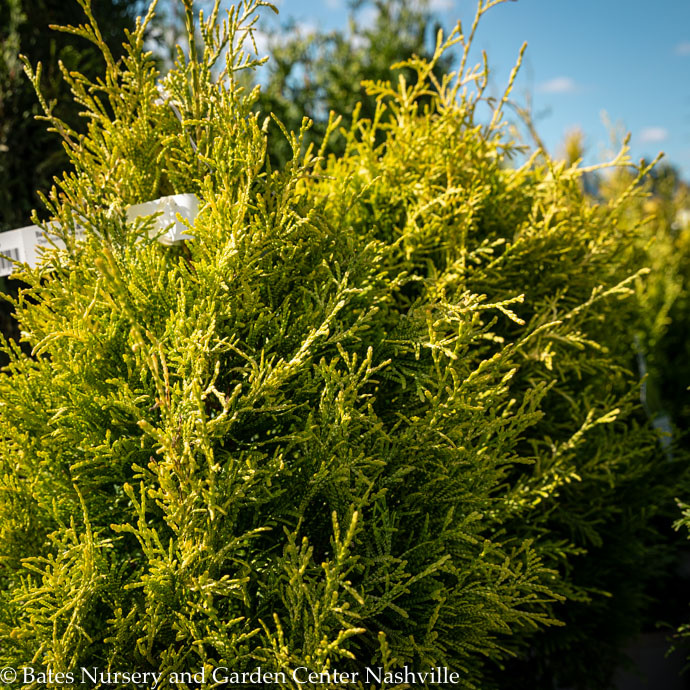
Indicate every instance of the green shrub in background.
{"type": "Point", "coordinates": [664, 351]}
{"type": "Point", "coordinates": [665, 298]}
{"type": "Point", "coordinates": [380, 411]}
{"type": "Point", "coordinates": [659, 215]}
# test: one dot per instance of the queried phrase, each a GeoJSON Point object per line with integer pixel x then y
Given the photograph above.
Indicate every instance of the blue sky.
{"type": "Point", "coordinates": [586, 61]}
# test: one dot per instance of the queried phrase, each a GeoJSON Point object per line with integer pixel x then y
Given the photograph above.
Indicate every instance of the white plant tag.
{"type": "Point", "coordinates": [22, 244]}
{"type": "Point", "coordinates": [12, 247]}
{"type": "Point", "coordinates": [186, 205]}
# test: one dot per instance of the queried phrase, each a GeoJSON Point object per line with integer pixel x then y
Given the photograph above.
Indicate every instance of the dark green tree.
{"type": "Point", "coordinates": [315, 73]}
{"type": "Point", "coordinates": [31, 156]}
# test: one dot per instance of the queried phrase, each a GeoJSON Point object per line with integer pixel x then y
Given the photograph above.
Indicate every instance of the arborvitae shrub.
{"type": "Point", "coordinates": [377, 412]}
{"type": "Point", "coordinates": [465, 222]}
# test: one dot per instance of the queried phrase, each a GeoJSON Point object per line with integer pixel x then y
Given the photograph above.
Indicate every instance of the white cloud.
{"type": "Point", "coordinates": [367, 17]}
{"type": "Point", "coordinates": [683, 48]}
{"type": "Point", "coordinates": [653, 135]}
{"type": "Point", "coordinates": [305, 28]}
{"type": "Point", "coordinates": [334, 4]}
{"type": "Point", "coordinates": [440, 5]}
{"type": "Point", "coordinates": [558, 85]}
{"type": "Point", "coordinates": [358, 42]}
{"type": "Point", "coordinates": [262, 40]}
{"type": "Point", "coordinates": [265, 39]}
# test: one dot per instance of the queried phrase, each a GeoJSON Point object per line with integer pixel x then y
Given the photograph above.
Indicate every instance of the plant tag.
{"type": "Point", "coordinates": [11, 249]}
{"type": "Point", "coordinates": [23, 244]}
{"type": "Point", "coordinates": [186, 205]}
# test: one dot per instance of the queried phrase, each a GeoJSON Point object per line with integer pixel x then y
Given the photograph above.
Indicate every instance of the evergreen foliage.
{"type": "Point", "coordinates": [597, 485]}
{"type": "Point", "coordinates": [380, 411]}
